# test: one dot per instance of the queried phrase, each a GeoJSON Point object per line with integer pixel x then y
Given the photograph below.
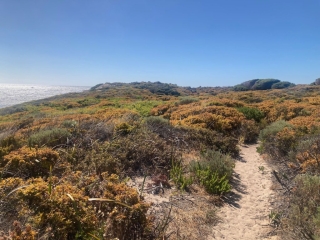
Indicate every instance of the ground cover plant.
{"type": "Point", "coordinates": [64, 161]}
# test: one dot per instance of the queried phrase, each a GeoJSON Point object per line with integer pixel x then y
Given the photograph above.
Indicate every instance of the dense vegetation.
{"type": "Point", "coordinates": [262, 84]}
{"type": "Point", "coordinates": [64, 161]}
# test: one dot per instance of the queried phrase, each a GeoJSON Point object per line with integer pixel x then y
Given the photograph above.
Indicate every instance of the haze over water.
{"type": "Point", "coordinates": [11, 94]}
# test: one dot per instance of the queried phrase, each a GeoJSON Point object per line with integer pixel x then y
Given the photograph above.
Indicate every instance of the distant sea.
{"type": "Point", "coordinates": [12, 94]}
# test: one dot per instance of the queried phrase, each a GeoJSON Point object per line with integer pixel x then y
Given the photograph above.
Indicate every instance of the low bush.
{"type": "Point", "coordinates": [76, 206]}
{"type": "Point", "coordinates": [251, 113]}
{"type": "Point", "coordinates": [28, 162]}
{"type": "Point", "coordinates": [187, 100]}
{"type": "Point", "coordinates": [181, 180]}
{"type": "Point", "coordinates": [249, 132]}
{"type": "Point", "coordinates": [281, 85]}
{"type": "Point", "coordinates": [210, 180]}
{"type": "Point", "coordinates": [213, 171]}
{"type": "Point", "coordinates": [307, 153]}
{"type": "Point", "coordinates": [303, 218]}
{"type": "Point", "coordinates": [49, 137]}
{"type": "Point", "coordinates": [278, 139]}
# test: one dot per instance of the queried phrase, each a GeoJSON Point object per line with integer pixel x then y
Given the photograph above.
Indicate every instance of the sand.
{"type": "Point", "coordinates": [246, 212]}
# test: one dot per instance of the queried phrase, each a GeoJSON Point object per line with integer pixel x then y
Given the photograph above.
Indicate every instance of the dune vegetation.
{"type": "Point", "coordinates": [65, 161]}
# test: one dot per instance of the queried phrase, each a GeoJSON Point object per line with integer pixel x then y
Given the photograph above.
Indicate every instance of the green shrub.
{"type": "Point", "coordinates": [281, 85]}
{"type": "Point", "coordinates": [303, 218]}
{"type": "Point", "coordinates": [210, 180]}
{"type": "Point", "coordinates": [50, 137]}
{"type": "Point", "coordinates": [179, 177]}
{"type": "Point", "coordinates": [240, 87]}
{"type": "Point", "coordinates": [213, 171]}
{"type": "Point", "coordinates": [264, 84]}
{"type": "Point", "coordinates": [278, 139]}
{"type": "Point", "coordinates": [187, 100]}
{"type": "Point", "coordinates": [249, 83]}
{"type": "Point", "coordinates": [251, 113]}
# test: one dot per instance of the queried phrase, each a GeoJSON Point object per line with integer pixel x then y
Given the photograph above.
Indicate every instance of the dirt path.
{"type": "Point", "coordinates": [245, 216]}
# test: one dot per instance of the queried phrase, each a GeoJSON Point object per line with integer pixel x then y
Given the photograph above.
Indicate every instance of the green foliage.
{"type": "Point", "coordinates": [211, 181]}
{"type": "Point", "coordinates": [49, 137]}
{"type": "Point", "coordinates": [271, 130]}
{"type": "Point", "coordinates": [187, 100]}
{"type": "Point", "coordinates": [143, 107]}
{"type": "Point", "coordinates": [213, 171]}
{"type": "Point", "coordinates": [250, 83]}
{"type": "Point", "coordinates": [88, 102]}
{"type": "Point", "coordinates": [240, 87]}
{"type": "Point", "coordinates": [218, 162]}
{"type": "Point", "coordinates": [303, 218]}
{"type": "Point", "coordinates": [277, 139]}
{"type": "Point", "coordinates": [251, 113]}
{"type": "Point", "coordinates": [264, 84]}
{"type": "Point", "coordinates": [281, 85]}
{"type": "Point", "coordinates": [158, 88]}
{"type": "Point", "coordinates": [179, 177]}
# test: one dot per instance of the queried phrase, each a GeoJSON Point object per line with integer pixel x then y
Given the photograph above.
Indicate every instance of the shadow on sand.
{"type": "Point", "coordinates": [232, 198]}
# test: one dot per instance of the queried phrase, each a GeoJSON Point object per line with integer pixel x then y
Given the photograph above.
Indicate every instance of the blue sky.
{"type": "Point", "coordinates": [190, 43]}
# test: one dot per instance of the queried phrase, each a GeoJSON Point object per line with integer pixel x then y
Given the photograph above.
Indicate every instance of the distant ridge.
{"type": "Point", "coordinates": [262, 84]}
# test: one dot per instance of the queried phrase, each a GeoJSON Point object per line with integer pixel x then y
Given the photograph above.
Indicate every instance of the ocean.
{"type": "Point", "coordinates": [12, 94]}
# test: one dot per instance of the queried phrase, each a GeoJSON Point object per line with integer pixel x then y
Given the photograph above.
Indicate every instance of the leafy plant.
{"type": "Point", "coordinates": [49, 137]}
{"type": "Point", "coordinates": [277, 139]}
{"type": "Point", "coordinates": [211, 181]}
{"type": "Point", "coordinates": [213, 172]}
{"type": "Point", "coordinates": [178, 176]}
{"type": "Point", "coordinates": [303, 218]}
{"type": "Point", "coordinates": [251, 113]}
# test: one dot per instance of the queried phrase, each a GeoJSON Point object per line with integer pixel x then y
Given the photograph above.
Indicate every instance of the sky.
{"type": "Point", "coordinates": [189, 42]}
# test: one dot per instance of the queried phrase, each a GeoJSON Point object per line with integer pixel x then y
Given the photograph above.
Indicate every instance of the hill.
{"type": "Point", "coordinates": [66, 161]}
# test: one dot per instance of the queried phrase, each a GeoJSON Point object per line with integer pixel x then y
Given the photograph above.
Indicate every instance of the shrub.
{"type": "Point", "coordinates": [50, 137]}
{"type": "Point", "coordinates": [281, 85]}
{"type": "Point", "coordinates": [213, 171]}
{"type": "Point", "coordinates": [245, 86]}
{"type": "Point", "coordinates": [264, 84]}
{"type": "Point", "coordinates": [202, 139]}
{"type": "Point", "coordinates": [249, 131]}
{"type": "Point", "coordinates": [28, 162]}
{"type": "Point", "coordinates": [8, 144]}
{"type": "Point", "coordinates": [249, 83]}
{"type": "Point", "coordinates": [179, 177]}
{"type": "Point", "coordinates": [307, 153]}
{"type": "Point", "coordinates": [278, 139]}
{"type": "Point", "coordinates": [240, 87]}
{"type": "Point", "coordinates": [142, 152]}
{"type": "Point", "coordinates": [303, 218]}
{"type": "Point", "coordinates": [77, 206]}
{"type": "Point", "coordinates": [251, 113]}
{"type": "Point", "coordinates": [187, 100]}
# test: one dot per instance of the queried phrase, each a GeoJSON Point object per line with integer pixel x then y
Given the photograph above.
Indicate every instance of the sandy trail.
{"type": "Point", "coordinates": [245, 215]}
